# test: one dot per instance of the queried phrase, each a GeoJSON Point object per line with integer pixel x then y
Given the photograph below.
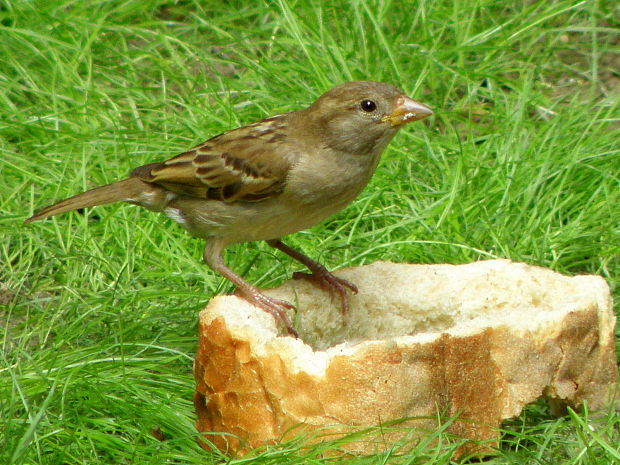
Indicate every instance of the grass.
{"type": "Point", "coordinates": [98, 310]}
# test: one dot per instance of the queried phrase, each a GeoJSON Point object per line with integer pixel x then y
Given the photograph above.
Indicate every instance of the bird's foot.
{"type": "Point", "coordinates": [275, 307]}
{"type": "Point", "coordinates": [337, 287]}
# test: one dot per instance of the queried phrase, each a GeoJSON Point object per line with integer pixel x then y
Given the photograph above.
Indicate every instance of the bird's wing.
{"type": "Point", "coordinates": [249, 163]}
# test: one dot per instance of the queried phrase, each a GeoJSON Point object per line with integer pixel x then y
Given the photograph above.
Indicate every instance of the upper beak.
{"type": "Point", "coordinates": [407, 110]}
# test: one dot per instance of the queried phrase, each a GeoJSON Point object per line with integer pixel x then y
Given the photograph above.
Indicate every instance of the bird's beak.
{"type": "Point", "coordinates": [407, 110]}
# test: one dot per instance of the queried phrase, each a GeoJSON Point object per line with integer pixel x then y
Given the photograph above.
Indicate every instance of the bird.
{"type": "Point", "coordinates": [268, 179]}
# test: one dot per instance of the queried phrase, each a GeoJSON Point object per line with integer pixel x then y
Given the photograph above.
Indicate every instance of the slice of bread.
{"type": "Point", "coordinates": [474, 342]}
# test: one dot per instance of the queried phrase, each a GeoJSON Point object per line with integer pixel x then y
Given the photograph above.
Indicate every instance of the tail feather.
{"type": "Point", "coordinates": [122, 191]}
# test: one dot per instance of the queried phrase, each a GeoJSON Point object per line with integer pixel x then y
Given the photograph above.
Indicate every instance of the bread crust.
{"type": "Point", "coordinates": [474, 342]}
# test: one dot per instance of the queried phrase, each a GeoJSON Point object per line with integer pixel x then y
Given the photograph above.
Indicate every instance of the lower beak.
{"type": "Point", "coordinates": [407, 110]}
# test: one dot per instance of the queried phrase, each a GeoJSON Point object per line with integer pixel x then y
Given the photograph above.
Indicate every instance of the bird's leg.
{"type": "Point", "coordinates": [320, 276]}
{"type": "Point", "coordinates": [212, 256]}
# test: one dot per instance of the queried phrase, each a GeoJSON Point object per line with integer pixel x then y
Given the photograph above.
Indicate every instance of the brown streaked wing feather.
{"type": "Point", "coordinates": [249, 163]}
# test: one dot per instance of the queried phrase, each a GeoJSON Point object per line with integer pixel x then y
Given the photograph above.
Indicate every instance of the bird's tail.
{"type": "Point", "coordinates": [127, 190]}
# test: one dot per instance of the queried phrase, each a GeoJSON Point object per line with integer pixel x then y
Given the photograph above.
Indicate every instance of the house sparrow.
{"type": "Point", "coordinates": [268, 179]}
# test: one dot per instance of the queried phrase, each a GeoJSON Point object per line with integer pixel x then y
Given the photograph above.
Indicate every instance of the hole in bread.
{"type": "Point", "coordinates": [424, 301]}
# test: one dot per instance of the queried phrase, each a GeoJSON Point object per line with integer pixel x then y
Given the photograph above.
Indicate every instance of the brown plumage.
{"type": "Point", "coordinates": [121, 191]}
{"type": "Point", "coordinates": [270, 178]}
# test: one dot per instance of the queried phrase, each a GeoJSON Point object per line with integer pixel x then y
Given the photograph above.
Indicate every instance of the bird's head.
{"type": "Point", "coordinates": [362, 116]}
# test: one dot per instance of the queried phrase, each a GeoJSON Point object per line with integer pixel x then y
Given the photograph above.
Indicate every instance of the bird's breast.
{"type": "Point", "coordinates": [329, 183]}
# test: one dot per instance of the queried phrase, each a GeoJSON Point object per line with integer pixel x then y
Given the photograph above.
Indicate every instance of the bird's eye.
{"type": "Point", "coordinates": [368, 105]}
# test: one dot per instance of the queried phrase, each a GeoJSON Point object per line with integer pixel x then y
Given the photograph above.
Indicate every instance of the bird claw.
{"type": "Point", "coordinates": [332, 284]}
{"type": "Point", "coordinates": [274, 307]}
